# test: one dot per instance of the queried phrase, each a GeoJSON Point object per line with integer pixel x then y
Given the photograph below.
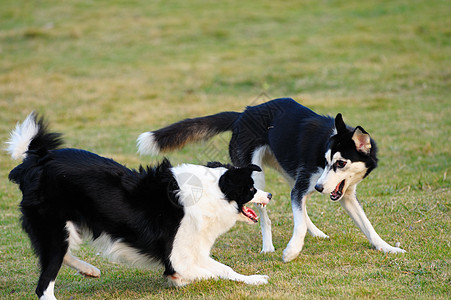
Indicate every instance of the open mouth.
{"type": "Point", "coordinates": [260, 200]}
{"type": "Point", "coordinates": [337, 192]}
{"type": "Point", "coordinates": [250, 214]}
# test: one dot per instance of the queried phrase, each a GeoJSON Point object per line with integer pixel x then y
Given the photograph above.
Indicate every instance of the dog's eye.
{"type": "Point", "coordinates": [252, 189]}
{"type": "Point", "coordinates": [341, 163]}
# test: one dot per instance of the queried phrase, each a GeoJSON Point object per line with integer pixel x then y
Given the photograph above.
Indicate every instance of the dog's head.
{"type": "Point", "coordinates": [351, 156]}
{"type": "Point", "coordinates": [237, 185]}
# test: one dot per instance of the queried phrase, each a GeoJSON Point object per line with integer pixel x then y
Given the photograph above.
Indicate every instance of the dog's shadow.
{"type": "Point", "coordinates": [116, 281]}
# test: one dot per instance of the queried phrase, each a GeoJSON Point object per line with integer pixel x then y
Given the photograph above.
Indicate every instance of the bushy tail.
{"type": "Point", "coordinates": [176, 135]}
{"type": "Point", "coordinates": [32, 136]}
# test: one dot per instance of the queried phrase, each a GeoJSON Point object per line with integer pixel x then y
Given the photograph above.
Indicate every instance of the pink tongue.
{"type": "Point", "coordinates": [337, 191]}
{"type": "Point", "coordinates": [249, 212]}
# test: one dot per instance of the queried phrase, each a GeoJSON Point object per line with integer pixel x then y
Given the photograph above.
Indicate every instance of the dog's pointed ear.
{"type": "Point", "coordinates": [253, 167]}
{"type": "Point", "coordinates": [340, 124]}
{"type": "Point", "coordinates": [362, 140]}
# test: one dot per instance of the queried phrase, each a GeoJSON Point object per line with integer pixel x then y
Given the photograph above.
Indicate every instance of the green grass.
{"type": "Point", "coordinates": [105, 71]}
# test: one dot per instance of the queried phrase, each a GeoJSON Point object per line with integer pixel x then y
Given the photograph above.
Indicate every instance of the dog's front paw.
{"type": "Point", "coordinates": [177, 280]}
{"type": "Point", "coordinates": [392, 250]}
{"type": "Point", "coordinates": [256, 279]}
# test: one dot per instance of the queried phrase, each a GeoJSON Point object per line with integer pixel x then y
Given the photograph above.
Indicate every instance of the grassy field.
{"type": "Point", "coordinates": [105, 71]}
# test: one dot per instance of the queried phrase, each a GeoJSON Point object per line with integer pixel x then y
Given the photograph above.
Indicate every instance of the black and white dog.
{"type": "Point", "coordinates": [165, 215]}
{"type": "Point", "coordinates": [311, 151]}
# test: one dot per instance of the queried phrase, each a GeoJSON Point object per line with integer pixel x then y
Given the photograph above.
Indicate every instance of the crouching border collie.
{"type": "Point", "coordinates": [144, 217]}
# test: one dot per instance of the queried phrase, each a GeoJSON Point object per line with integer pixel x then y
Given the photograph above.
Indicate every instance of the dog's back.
{"type": "Point", "coordinates": [296, 135]}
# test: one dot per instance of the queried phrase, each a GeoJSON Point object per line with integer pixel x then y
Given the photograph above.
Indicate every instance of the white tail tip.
{"type": "Point", "coordinates": [22, 136]}
{"type": "Point", "coordinates": [147, 144]}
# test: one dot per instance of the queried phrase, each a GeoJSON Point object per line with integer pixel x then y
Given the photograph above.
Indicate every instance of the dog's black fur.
{"type": "Point", "coordinates": [61, 185]}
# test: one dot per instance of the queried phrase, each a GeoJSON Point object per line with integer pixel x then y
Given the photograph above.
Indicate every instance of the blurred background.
{"type": "Point", "coordinates": [103, 72]}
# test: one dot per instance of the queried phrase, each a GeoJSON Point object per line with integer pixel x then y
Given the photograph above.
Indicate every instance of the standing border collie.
{"type": "Point", "coordinates": [143, 217]}
{"type": "Point", "coordinates": [311, 151]}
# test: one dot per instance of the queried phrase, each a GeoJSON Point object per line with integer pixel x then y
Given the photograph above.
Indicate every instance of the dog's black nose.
{"type": "Point", "coordinates": [319, 187]}
{"type": "Point", "coordinates": [269, 196]}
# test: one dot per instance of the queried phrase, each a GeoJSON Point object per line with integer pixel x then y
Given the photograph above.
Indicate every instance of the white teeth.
{"type": "Point", "coordinates": [261, 204]}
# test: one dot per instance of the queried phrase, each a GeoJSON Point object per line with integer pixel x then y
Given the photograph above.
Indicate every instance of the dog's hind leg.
{"type": "Point", "coordinates": [265, 224]}
{"type": "Point", "coordinates": [82, 267]}
{"type": "Point", "coordinates": [75, 240]}
{"type": "Point", "coordinates": [50, 265]}
{"type": "Point", "coordinates": [49, 242]}
{"type": "Point", "coordinates": [355, 211]}
{"type": "Point", "coordinates": [259, 182]}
